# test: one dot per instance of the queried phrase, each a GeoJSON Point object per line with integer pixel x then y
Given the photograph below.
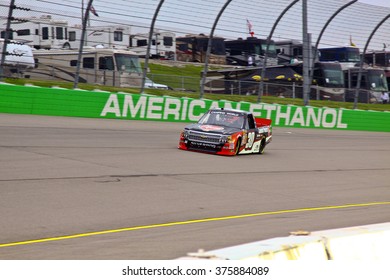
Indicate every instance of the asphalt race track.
{"type": "Point", "coordinates": [75, 188]}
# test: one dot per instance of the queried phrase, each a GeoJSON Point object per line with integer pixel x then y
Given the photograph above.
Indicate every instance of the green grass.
{"type": "Point", "coordinates": [176, 70]}
{"type": "Point", "coordinates": [193, 71]}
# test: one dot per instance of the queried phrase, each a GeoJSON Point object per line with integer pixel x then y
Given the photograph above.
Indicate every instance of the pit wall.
{"type": "Point", "coordinates": [100, 104]}
{"type": "Point", "coordinates": [369, 242]}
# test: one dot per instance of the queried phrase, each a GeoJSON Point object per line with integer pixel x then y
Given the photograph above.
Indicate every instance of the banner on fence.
{"type": "Point", "coordinates": [98, 104]}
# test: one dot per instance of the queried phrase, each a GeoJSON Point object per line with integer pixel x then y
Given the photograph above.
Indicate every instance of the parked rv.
{"type": "Point", "coordinates": [379, 59]}
{"type": "Point", "coordinates": [163, 44]}
{"type": "Point", "coordinates": [111, 67]}
{"type": "Point", "coordinates": [281, 81]}
{"type": "Point", "coordinates": [250, 52]}
{"type": "Point", "coordinates": [193, 48]}
{"type": "Point", "coordinates": [289, 51]}
{"type": "Point", "coordinates": [347, 56]}
{"type": "Point", "coordinates": [373, 79]}
{"type": "Point", "coordinates": [41, 33]}
{"type": "Point", "coordinates": [372, 84]}
{"type": "Point", "coordinates": [115, 36]}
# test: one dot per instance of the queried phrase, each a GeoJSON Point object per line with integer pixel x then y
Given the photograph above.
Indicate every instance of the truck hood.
{"type": "Point", "coordinates": [212, 129]}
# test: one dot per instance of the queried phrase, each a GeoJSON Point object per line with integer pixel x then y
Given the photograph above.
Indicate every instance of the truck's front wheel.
{"type": "Point", "coordinates": [262, 146]}
{"type": "Point", "coordinates": [237, 147]}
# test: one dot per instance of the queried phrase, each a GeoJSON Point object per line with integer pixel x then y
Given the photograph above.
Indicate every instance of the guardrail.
{"type": "Point", "coordinates": [369, 242]}
{"type": "Point", "coordinates": [101, 104]}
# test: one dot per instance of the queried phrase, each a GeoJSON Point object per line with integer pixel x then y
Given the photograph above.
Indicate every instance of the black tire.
{"type": "Point", "coordinates": [262, 146]}
{"type": "Point", "coordinates": [237, 147]}
{"type": "Point", "coordinates": [66, 46]}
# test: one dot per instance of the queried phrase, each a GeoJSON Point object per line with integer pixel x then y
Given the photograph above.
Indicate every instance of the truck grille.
{"type": "Point", "coordinates": [204, 137]}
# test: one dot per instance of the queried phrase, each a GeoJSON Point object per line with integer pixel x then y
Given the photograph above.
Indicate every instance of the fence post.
{"type": "Point", "coordinates": [6, 37]}
{"type": "Point", "coordinates": [261, 88]}
{"type": "Point", "coordinates": [209, 45]}
{"type": "Point", "coordinates": [83, 32]}
{"type": "Point", "coordinates": [293, 90]}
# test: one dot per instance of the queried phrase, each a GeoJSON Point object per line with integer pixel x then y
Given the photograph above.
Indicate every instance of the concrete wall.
{"type": "Point", "coordinates": [369, 242]}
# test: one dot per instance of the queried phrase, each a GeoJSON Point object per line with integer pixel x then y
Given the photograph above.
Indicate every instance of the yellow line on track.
{"type": "Point", "coordinates": [193, 222]}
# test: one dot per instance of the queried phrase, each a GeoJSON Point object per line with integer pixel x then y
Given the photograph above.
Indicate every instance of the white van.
{"type": "Point", "coordinates": [150, 84]}
{"type": "Point", "coordinates": [18, 58]}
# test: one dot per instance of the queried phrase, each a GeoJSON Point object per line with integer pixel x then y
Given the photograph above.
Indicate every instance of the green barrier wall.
{"type": "Point", "coordinates": [91, 104]}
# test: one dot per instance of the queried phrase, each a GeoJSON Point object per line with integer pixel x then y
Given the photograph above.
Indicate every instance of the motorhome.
{"type": "Point", "coordinates": [163, 44]}
{"type": "Point", "coordinates": [104, 66]}
{"type": "Point", "coordinates": [113, 36]}
{"type": "Point", "coordinates": [281, 81]}
{"type": "Point", "coordinates": [348, 56]}
{"type": "Point", "coordinates": [372, 84]}
{"type": "Point", "coordinates": [372, 81]}
{"type": "Point", "coordinates": [289, 51]}
{"type": "Point", "coordinates": [193, 48]}
{"type": "Point", "coordinates": [379, 59]}
{"type": "Point", "coordinates": [250, 52]}
{"type": "Point", "coordinates": [40, 32]}
{"type": "Point", "coordinates": [18, 58]}
{"type": "Point", "coordinates": [46, 32]}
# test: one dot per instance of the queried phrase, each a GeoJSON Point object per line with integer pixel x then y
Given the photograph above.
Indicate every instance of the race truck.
{"type": "Point", "coordinates": [227, 132]}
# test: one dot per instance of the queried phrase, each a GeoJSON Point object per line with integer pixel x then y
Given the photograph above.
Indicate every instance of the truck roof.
{"type": "Point", "coordinates": [231, 110]}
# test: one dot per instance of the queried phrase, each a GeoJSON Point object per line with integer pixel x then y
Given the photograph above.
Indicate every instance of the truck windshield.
{"type": "Point", "coordinates": [127, 63]}
{"type": "Point", "coordinates": [223, 118]}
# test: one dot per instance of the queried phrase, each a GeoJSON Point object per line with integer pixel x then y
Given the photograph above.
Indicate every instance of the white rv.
{"type": "Point", "coordinates": [17, 58]}
{"type": "Point", "coordinates": [115, 36]}
{"type": "Point", "coordinates": [163, 44]}
{"type": "Point", "coordinates": [41, 33]}
{"type": "Point", "coordinates": [111, 67]}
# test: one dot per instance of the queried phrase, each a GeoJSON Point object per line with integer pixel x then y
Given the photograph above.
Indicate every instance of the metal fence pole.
{"type": "Point", "coordinates": [6, 37]}
{"type": "Point", "coordinates": [322, 32]}
{"type": "Point", "coordinates": [293, 90]}
{"type": "Point", "coordinates": [206, 62]}
{"type": "Point", "coordinates": [151, 30]}
{"type": "Point", "coordinates": [306, 54]}
{"type": "Point", "coordinates": [85, 20]}
{"type": "Point", "coordinates": [261, 88]}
